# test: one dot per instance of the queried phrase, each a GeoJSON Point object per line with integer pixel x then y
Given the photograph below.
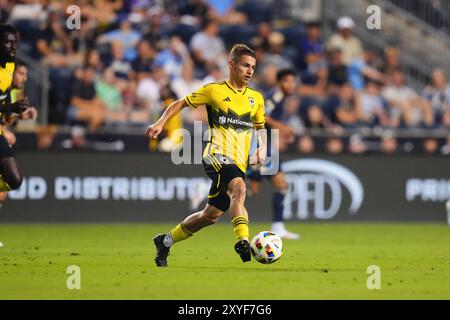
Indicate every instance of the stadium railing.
{"type": "Point", "coordinates": [399, 28]}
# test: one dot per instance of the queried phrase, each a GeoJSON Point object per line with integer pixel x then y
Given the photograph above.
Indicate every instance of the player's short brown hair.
{"type": "Point", "coordinates": [240, 50]}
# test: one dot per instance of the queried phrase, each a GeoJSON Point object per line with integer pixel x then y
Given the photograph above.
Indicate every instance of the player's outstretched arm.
{"type": "Point", "coordinates": [16, 107]}
{"type": "Point", "coordinates": [284, 129]}
{"type": "Point", "coordinates": [19, 110]}
{"type": "Point", "coordinates": [155, 129]}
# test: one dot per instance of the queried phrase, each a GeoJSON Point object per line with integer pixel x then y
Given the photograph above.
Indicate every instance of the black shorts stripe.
{"type": "Point", "coordinates": [214, 195]}
{"type": "Point", "coordinates": [218, 182]}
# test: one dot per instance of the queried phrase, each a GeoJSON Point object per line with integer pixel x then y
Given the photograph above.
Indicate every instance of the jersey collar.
{"type": "Point", "coordinates": [229, 85]}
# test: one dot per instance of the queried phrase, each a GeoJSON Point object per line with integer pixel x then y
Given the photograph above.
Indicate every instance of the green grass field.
{"type": "Point", "coordinates": [330, 262]}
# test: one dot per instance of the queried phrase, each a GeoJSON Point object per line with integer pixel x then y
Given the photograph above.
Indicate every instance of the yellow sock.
{"type": "Point", "coordinates": [3, 185]}
{"type": "Point", "coordinates": [240, 227]}
{"type": "Point", "coordinates": [180, 233]}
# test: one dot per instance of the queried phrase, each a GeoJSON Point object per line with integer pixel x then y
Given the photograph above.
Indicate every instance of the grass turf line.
{"type": "Point", "coordinates": [329, 262]}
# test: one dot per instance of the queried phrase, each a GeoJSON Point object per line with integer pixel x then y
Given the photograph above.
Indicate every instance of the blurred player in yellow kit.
{"type": "Point", "coordinates": [10, 175]}
{"type": "Point", "coordinates": [17, 93]}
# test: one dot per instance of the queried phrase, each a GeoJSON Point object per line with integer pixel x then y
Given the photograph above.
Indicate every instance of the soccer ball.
{"type": "Point", "coordinates": [266, 247]}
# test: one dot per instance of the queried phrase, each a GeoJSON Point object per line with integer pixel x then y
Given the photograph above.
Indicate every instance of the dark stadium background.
{"type": "Point", "coordinates": [142, 56]}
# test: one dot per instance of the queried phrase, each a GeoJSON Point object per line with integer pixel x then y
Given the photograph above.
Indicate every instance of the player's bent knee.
{"type": "Point", "coordinates": [283, 190]}
{"type": "Point", "coordinates": [281, 185]}
{"type": "Point", "coordinates": [279, 182]}
{"type": "Point", "coordinates": [238, 191]}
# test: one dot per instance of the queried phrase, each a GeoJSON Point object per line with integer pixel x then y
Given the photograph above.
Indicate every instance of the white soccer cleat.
{"type": "Point", "coordinates": [287, 235]}
{"type": "Point", "coordinates": [279, 229]}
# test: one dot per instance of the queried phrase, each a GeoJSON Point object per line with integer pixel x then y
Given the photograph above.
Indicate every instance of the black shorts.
{"type": "Point", "coordinates": [221, 171]}
{"type": "Point", "coordinates": [5, 149]}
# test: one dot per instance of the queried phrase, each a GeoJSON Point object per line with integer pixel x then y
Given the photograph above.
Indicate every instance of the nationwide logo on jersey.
{"type": "Point", "coordinates": [222, 120]}
{"type": "Point", "coordinates": [251, 101]}
{"type": "Point", "coordinates": [232, 120]}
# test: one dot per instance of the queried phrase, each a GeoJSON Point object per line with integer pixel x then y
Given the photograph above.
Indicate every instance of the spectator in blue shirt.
{"type": "Point", "coordinates": [126, 35]}
{"type": "Point", "coordinates": [173, 58]}
{"type": "Point", "coordinates": [361, 68]}
{"type": "Point", "coordinates": [224, 12]}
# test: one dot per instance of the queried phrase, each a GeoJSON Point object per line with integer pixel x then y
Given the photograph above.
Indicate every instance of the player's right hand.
{"type": "Point", "coordinates": [288, 133]}
{"type": "Point", "coordinates": [29, 113]}
{"type": "Point", "coordinates": [153, 131]}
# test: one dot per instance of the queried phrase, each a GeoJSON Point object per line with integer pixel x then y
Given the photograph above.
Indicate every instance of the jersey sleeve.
{"type": "Point", "coordinates": [260, 116]}
{"type": "Point", "coordinates": [199, 97]}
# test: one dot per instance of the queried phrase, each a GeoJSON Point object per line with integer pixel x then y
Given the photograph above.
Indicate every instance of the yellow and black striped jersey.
{"type": "Point", "coordinates": [232, 116]}
{"type": "Point", "coordinates": [6, 80]}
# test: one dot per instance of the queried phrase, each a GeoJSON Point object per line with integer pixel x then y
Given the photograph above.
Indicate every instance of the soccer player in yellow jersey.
{"type": "Point", "coordinates": [234, 112]}
{"type": "Point", "coordinates": [10, 176]}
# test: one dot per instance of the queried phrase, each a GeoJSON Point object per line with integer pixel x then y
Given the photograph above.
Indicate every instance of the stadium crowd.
{"type": "Point", "coordinates": [130, 59]}
{"type": "Point", "coordinates": [434, 12]}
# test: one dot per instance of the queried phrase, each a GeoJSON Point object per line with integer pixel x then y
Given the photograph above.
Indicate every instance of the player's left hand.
{"type": "Point", "coordinates": [29, 113]}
